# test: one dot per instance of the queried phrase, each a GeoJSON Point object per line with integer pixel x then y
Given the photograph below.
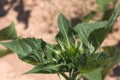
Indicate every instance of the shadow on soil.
{"type": "Point", "coordinates": [23, 15]}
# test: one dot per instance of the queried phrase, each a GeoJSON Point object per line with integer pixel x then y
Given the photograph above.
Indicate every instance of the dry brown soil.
{"type": "Point", "coordinates": [37, 18]}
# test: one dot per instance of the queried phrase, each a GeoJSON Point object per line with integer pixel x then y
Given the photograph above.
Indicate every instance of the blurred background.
{"type": "Point", "coordinates": [37, 18]}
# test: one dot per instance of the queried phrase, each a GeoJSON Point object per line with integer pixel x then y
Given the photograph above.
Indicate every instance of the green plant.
{"type": "Point", "coordinates": [103, 4]}
{"type": "Point", "coordinates": [75, 51]}
{"type": "Point", "coordinates": [8, 33]}
{"type": "Point", "coordinates": [103, 8]}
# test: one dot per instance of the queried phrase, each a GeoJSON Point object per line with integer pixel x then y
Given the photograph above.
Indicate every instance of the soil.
{"type": "Point", "coordinates": [37, 18]}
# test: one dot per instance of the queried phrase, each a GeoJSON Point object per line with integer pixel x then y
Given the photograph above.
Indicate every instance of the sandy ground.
{"type": "Point", "coordinates": [41, 23]}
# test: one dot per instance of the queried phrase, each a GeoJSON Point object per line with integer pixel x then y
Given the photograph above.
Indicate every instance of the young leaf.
{"type": "Point", "coordinates": [65, 32]}
{"type": "Point", "coordinates": [30, 50]}
{"type": "Point", "coordinates": [8, 33]}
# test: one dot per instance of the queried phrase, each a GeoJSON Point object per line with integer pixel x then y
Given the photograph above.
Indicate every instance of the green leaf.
{"type": "Point", "coordinates": [65, 32]}
{"type": "Point", "coordinates": [107, 14]}
{"type": "Point", "coordinates": [97, 36]}
{"type": "Point", "coordinates": [94, 75]}
{"type": "Point", "coordinates": [85, 29]}
{"type": "Point", "coordinates": [48, 68]}
{"type": "Point", "coordinates": [101, 58]}
{"type": "Point", "coordinates": [4, 52]}
{"type": "Point", "coordinates": [87, 63]}
{"type": "Point", "coordinates": [89, 16]}
{"type": "Point", "coordinates": [30, 50]}
{"type": "Point", "coordinates": [95, 33]}
{"type": "Point", "coordinates": [8, 33]}
{"type": "Point", "coordinates": [111, 50]}
{"type": "Point", "coordinates": [102, 4]}
{"type": "Point", "coordinates": [114, 52]}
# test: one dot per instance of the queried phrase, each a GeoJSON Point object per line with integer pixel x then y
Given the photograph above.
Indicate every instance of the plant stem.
{"type": "Point", "coordinates": [79, 76]}
{"type": "Point", "coordinates": [65, 76]}
{"type": "Point", "coordinates": [73, 75]}
{"type": "Point", "coordinates": [60, 75]}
